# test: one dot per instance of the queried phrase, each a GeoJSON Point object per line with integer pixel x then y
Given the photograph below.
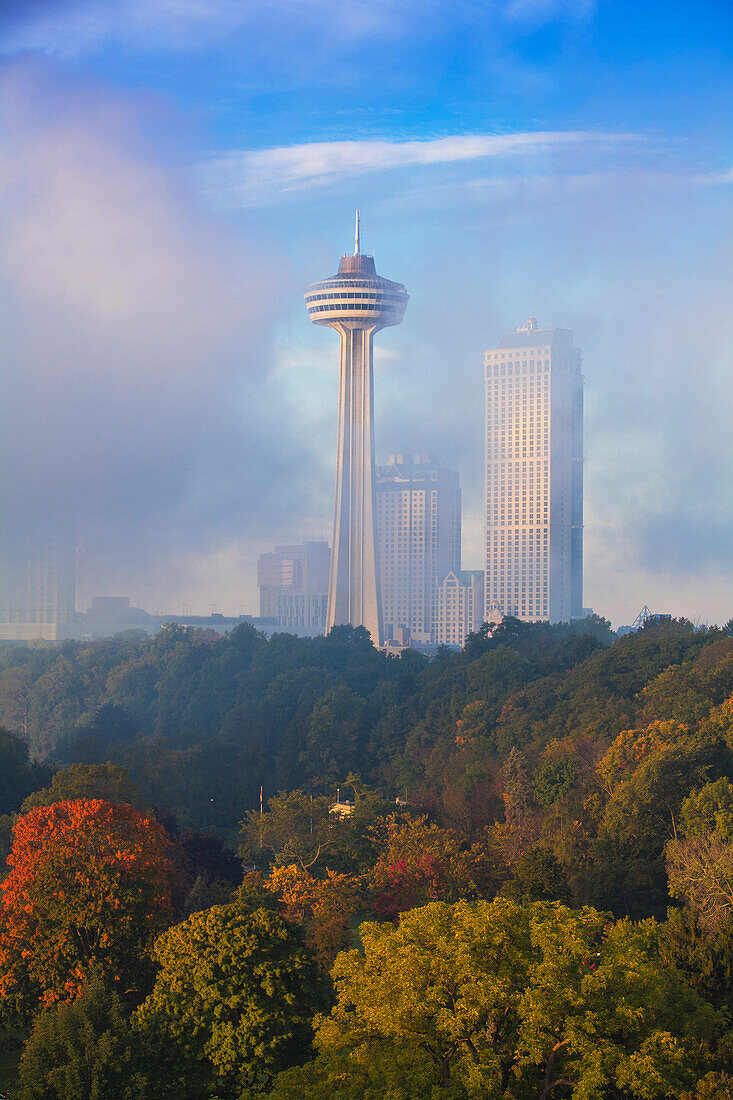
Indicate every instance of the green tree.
{"type": "Point", "coordinates": [297, 828]}
{"type": "Point", "coordinates": [640, 819]}
{"type": "Point", "coordinates": [704, 958]}
{"type": "Point", "coordinates": [538, 876]}
{"type": "Point", "coordinates": [505, 999]}
{"type": "Point", "coordinates": [79, 1050]}
{"type": "Point", "coordinates": [709, 810]}
{"type": "Point", "coordinates": [110, 782]}
{"type": "Point", "coordinates": [232, 1004]}
{"type": "Point", "coordinates": [331, 746]}
{"type": "Point", "coordinates": [18, 776]}
{"type": "Point", "coordinates": [553, 779]}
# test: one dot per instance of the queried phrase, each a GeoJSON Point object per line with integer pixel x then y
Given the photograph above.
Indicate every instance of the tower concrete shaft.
{"type": "Point", "coordinates": [356, 302]}
{"type": "Point", "coordinates": [354, 592]}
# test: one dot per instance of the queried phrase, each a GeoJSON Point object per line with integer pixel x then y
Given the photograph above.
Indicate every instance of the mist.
{"type": "Point", "coordinates": [162, 217]}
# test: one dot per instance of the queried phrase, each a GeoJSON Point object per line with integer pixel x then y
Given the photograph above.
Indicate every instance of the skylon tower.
{"type": "Point", "coordinates": [357, 303]}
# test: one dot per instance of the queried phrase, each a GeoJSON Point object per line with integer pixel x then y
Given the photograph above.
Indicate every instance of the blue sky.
{"type": "Point", "coordinates": [177, 171]}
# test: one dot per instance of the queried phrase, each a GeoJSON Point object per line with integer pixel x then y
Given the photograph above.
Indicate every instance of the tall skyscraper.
{"type": "Point", "coordinates": [419, 539]}
{"type": "Point", "coordinates": [534, 475]}
{"type": "Point", "coordinates": [357, 303]}
{"type": "Point", "coordinates": [293, 584]}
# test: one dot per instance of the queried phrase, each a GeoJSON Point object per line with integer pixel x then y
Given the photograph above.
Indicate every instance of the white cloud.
{"type": "Point", "coordinates": [72, 28]}
{"type": "Point", "coordinates": [245, 177]}
{"type": "Point", "coordinates": [710, 179]}
{"type": "Point", "coordinates": [135, 331]}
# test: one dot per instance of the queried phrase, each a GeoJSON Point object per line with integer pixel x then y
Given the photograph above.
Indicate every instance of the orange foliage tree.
{"type": "Point", "coordinates": [88, 892]}
{"type": "Point", "coordinates": [632, 747]}
{"type": "Point", "coordinates": [323, 906]}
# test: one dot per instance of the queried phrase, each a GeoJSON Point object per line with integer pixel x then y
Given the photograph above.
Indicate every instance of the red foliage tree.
{"type": "Point", "coordinates": [88, 891]}
{"type": "Point", "coordinates": [420, 862]}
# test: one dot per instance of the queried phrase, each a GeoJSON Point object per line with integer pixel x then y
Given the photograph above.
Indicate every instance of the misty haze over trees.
{"type": "Point", "coordinates": [536, 789]}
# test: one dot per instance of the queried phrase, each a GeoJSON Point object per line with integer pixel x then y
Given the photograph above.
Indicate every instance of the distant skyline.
{"type": "Point", "coordinates": [175, 172]}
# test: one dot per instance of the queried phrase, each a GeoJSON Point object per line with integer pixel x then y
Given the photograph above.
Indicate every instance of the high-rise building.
{"type": "Point", "coordinates": [293, 584]}
{"type": "Point", "coordinates": [419, 539]}
{"type": "Point", "coordinates": [355, 302]}
{"type": "Point", "coordinates": [534, 475]}
{"type": "Point", "coordinates": [459, 607]}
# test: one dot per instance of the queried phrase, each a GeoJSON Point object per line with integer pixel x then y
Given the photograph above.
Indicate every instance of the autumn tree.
{"type": "Point", "coordinates": [700, 872]}
{"type": "Point", "coordinates": [503, 999]}
{"type": "Point", "coordinates": [324, 907]}
{"type": "Point", "coordinates": [420, 861]}
{"type": "Point", "coordinates": [88, 891]}
{"type": "Point", "coordinates": [231, 1006]}
{"type": "Point", "coordinates": [632, 747]}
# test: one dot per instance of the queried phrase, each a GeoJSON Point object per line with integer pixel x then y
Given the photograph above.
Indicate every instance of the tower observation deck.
{"type": "Point", "coordinates": [357, 303]}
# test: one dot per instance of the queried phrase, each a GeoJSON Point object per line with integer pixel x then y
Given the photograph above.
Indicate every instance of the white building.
{"type": "Point", "coordinates": [419, 540]}
{"type": "Point", "coordinates": [293, 584]}
{"type": "Point", "coordinates": [534, 475]}
{"type": "Point", "coordinates": [459, 607]}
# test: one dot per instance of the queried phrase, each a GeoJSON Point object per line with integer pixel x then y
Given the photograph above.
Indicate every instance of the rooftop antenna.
{"type": "Point", "coordinates": [356, 235]}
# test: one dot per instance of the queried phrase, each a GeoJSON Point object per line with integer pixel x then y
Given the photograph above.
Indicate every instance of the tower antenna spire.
{"type": "Point", "coordinates": [357, 248]}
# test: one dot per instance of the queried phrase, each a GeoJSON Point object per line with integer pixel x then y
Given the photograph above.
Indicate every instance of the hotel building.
{"type": "Point", "coordinates": [534, 475]}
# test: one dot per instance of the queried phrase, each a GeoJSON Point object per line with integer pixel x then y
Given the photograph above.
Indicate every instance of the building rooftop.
{"type": "Point", "coordinates": [529, 336]}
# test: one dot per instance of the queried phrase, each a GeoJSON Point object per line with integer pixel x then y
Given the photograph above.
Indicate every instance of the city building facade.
{"type": "Point", "coordinates": [293, 584]}
{"type": "Point", "coordinates": [419, 540]}
{"type": "Point", "coordinates": [356, 302]}
{"type": "Point", "coordinates": [459, 607]}
{"type": "Point", "coordinates": [534, 475]}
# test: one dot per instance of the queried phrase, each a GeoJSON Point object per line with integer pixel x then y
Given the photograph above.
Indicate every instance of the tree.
{"type": "Point", "coordinates": [704, 958]}
{"type": "Point", "coordinates": [78, 1050]}
{"type": "Point", "coordinates": [632, 747]}
{"type": "Point", "coordinates": [538, 876]}
{"type": "Point", "coordinates": [640, 819]}
{"type": "Point", "coordinates": [520, 828]}
{"type": "Point", "coordinates": [709, 810]}
{"type": "Point", "coordinates": [517, 1000]}
{"type": "Point", "coordinates": [713, 1086]}
{"type": "Point", "coordinates": [231, 1006]}
{"type": "Point", "coordinates": [296, 828]}
{"type": "Point", "coordinates": [88, 891]}
{"type": "Point", "coordinates": [110, 782]}
{"type": "Point", "coordinates": [700, 872]}
{"type": "Point", "coordinates": [422, 862]}
{"type": "Point", "coordinates": [18, 776]}
{"type": "Point", "coordinates": [332, 742]}
{"type": "Point", "coordinates": [323, 907]}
